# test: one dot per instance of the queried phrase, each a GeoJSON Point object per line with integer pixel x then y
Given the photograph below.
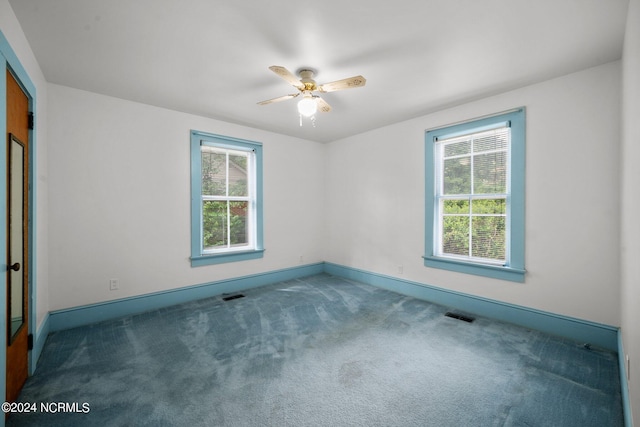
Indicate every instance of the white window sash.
{"type": "Point", "coordinates": [250, 198]}
{"type": "Point", "coordinates": [440, 197]}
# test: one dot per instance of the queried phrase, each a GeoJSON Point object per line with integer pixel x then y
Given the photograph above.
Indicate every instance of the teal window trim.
{"type": "Point", "coordinates": [198, 256]}
{"type": "Point", "coordinates": [514, 270]}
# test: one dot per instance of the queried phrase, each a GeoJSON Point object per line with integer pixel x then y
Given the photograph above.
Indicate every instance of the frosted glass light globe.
{"type": "Point", "coordinates": [307, 106]}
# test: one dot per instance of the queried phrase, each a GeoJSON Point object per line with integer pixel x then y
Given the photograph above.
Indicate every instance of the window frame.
{"type": "Point", "coordinates": [200, 256]}
{"type": "Point", "coordinates": [513, 269]}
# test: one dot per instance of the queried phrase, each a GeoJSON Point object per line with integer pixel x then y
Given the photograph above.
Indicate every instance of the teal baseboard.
{"type": "Point", "coordinates": [38, 343]}
{"type": "Point", "coordinates": [576, 329]}
{"type": "Point", "coordinates": [584, 331]}
{"type": "Point", "coordinates": [624, 385]}
{"type": "Point", "coordinates": [92, 313]}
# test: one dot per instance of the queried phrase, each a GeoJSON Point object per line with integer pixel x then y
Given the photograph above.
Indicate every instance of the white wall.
{"type": "Point", "coordinates": [630, 202]}
{"type": "Point", "coordinates": [120, 199]}
{"type": "Point", "coordinates": [375, 198]}
{"type": "Point", "coordinates": [18, 42]}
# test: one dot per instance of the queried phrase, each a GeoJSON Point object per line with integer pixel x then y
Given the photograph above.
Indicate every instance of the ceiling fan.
{"type": "Point", "coordinates": [311, 103]}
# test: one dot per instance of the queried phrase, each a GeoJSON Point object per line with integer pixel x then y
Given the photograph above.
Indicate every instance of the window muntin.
{"type": "Point", "coordinates": [226, 199]}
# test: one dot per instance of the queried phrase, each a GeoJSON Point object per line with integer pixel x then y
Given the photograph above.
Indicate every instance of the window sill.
{"type": "Point", "coordinates": [487, 270]}
{"type": "Point", "coordinates": [220, 258]}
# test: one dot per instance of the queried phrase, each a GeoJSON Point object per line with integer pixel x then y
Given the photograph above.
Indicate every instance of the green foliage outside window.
{"type": "Point", "coordinates": [215, 218]}
{"type": "Point", "coordinates": [483, 218]}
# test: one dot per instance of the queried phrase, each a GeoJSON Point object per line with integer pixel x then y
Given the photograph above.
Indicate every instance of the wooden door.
{"type": "Point", "coordinates": [17, 237]}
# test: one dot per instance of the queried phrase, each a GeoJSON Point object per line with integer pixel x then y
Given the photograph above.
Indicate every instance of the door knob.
{"type": "Point", "coordinates": [15, 267]}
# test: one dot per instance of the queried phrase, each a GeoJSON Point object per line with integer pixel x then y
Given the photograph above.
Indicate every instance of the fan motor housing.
{"type": "Point", "coordinates": [306, 77]}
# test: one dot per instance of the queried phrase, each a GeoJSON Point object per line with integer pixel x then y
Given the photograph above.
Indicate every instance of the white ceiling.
{"type": "Point", "coordinates": [211, 57]}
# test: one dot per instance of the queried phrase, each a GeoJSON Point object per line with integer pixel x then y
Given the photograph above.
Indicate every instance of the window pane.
{"type": "Point", "coordinates": [494, 140]}
{"type": "Point", "coordinates": [457, 148]}
{"type": "Point", "coordinates": [239, 225]}
{"type": "Point", "coordinates": [488, 237]}
{"type": "Point", "coordinates": [455, 235]}
{"type": "Point", "coordinates": [238, 175]}
{"type": "Point", "coordinates": [214, 173]}
{"type": "Point", "coordinates": [489, 206]}
{"type": "Point", "coordinates": [214, 224]}
{"type": "Point", "coordinates": [490, 173]}
{"type": "Point", "coordinates": [456, 206]}
{"type": "Point", "coordinates": [457, 176]}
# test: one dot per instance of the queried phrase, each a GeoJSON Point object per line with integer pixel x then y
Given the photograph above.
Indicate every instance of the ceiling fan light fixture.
{"type": "Point", "coordinates": [307, 106]}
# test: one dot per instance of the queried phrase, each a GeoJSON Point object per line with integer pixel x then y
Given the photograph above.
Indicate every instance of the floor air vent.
{"type": "Point", "coordinates": [459, 316]}
{"type": "Point", "coordinates": [232, 297]}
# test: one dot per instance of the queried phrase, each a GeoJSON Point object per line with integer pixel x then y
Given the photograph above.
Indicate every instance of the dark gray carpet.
{"type": "Point", "coordinates": [319, 351]}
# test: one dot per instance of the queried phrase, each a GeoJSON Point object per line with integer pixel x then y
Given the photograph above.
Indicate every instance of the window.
{"type": "Point", "coordinates": [226, 199]}
{"type": "Point", "coordinates": [475, 197]}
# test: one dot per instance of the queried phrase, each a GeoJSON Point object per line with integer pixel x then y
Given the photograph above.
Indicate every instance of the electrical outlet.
{"type": "Point", "coordinates": [400, 269]}
{"type": "Point", "coordinates": [301, 259]}
{"type": "Point", "coordinates": [114, 285]}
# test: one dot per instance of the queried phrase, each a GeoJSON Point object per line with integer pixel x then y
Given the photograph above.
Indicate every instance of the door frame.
{"type": "Point", "coordinates": [9, 60]}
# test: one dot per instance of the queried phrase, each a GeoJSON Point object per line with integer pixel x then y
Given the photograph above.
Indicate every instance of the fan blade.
{"type": "Point", "coordinates": [287, 75]}
{"type": "Point", "coordinates": [322, 105]}
{"type": "Point", "coordinates": [351, 82]}
{"type": "Point", "coordinates": [278, 99]}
